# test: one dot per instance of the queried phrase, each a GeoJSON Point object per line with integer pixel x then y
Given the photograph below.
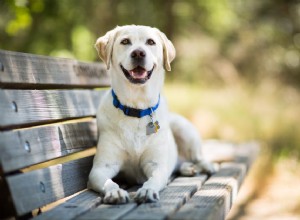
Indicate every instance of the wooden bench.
{"type": "Point", "coordinates": [48, 136]}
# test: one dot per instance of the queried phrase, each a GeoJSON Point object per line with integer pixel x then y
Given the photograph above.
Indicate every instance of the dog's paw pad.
{"type": "Point", "coordinates": [116, 196]}
{"type": "Point", "coordinates": [146, 195]}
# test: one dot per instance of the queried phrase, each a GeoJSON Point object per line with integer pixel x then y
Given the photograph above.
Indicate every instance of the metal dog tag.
{"type": "Point", "coordinates": [156, 124]}
{"type": "Point", "coordinates": [152, 128]}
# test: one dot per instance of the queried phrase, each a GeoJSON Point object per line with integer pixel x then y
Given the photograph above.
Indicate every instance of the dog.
{"type": "Point", "coordinates": [138, 137]}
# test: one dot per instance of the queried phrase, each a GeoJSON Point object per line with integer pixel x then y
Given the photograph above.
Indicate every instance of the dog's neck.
{"type": "Point", "coordinates": [138, 96]}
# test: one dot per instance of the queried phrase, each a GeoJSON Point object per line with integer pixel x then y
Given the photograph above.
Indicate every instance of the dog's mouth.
{"type": "Point", "coordinates": [138, 75]}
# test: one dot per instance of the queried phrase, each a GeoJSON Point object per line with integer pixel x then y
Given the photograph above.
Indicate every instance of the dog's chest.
{"type": "Point", "coordinates": [134, 142]}
{"type": "Point", "coordinates": [133, 134]}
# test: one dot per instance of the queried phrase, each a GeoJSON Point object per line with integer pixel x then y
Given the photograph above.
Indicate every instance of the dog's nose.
{"type": "Point", "coordinates": [138, 53]}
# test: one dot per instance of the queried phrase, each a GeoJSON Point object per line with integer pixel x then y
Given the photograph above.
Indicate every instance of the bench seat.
{"type": "Point", "coordinates": [48, 136]}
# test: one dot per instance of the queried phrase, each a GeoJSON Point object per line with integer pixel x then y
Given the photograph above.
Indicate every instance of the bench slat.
{"type": "Point", "coordinates": [214, 199]}
{"type": "Point", "coordinates": [171, 198]}
{"type": "Point", "coordinates": [27, 147]}
{"type": "Point", "coordinates": [40, 187]}
{"type": "Point", "coordinates": [21, 107]}
{"type": "Point", "coordinates": [73, 207]}
{"type": "Point", "coordinates": [108, 212]}
{"type": "Point", "coordinates": [21, 70]}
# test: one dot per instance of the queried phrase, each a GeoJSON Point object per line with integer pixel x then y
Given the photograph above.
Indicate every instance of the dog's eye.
{"type": "Point", "coordinates": [125, 41]}
{"type": "Point", "coordinates": [150, 42]}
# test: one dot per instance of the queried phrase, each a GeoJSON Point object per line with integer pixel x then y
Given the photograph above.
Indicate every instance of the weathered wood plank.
{"type": "Point", "coordinates": [73, 207]}
{"type": "Point", "coordinates": [40, 187]}
{"type": "Point", "coordinates": [23, 70]}
{"type": "Point", "coordinates": [19, 107]}
{"type": "Point", "coordinates": [171, 198]}
{"type": "Point", "coordinates": [108, 212]}
{"type": "Point", "coordinates": [214, 200]}
{"type": "Point", "coordinates": [22, 148]}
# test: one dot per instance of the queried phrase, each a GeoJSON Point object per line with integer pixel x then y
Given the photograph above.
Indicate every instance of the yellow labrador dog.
{"type": "Point", "coordinates": [138, 136]}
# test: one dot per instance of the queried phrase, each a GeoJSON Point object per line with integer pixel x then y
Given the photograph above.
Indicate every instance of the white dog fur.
{"type": "Point", "coordinates": [123, 145]}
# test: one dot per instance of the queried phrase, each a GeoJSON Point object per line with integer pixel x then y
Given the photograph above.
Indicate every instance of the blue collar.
{"type": "Point", "coordinates": [133, 112]}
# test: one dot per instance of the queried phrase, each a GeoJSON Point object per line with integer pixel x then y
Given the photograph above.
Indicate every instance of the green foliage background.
{"type": "Point", "coordinates": [259, 38]}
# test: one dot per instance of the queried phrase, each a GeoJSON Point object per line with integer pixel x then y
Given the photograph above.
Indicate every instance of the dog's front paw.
{"type": "Point", "coordinates": [116, 196]}
{"type": "Point", "coordinates": [146, 195]}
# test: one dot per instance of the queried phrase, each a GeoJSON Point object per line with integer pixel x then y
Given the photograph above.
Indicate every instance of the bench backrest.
{"type": "Point", "coordinates": [47, 113]}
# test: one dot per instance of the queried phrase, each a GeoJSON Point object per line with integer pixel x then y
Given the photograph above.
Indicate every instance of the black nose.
{"type": "Point", "coordinates": [138, 53]}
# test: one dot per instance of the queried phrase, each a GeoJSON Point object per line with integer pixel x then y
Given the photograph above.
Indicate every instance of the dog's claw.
{"type": "Point", "coordinates": [146, 195]}
{"type": "Point", "coordinates": [116, 196]}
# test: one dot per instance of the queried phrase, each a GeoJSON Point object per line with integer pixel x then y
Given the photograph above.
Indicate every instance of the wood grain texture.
{"type": "Point", "coordinates": [73, 207]}
{"type": "Point", "coordinates": [32, 71]}
{"type": "Point", "coordinates": [214, 200]}
{"type": "Point", "coordinates": [171, 198]}
{"type": "Point", "coordinates": [19, 107]}
{"type": "Point", "coordinates": [108, 212]}
{"type": "Point", "coordinates": [40, 187]}
{"type": "Point", "coordinates": [27, 147]}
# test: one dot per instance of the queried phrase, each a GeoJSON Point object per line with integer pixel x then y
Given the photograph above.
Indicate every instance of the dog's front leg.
{"type": "Point", "coordinates": [100, 179]}
{"type": "Point", "coordinates": [157, 173]}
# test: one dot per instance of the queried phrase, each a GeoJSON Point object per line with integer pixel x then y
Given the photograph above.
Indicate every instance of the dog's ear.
{"type": "Point", "coordinates": [104, 46]}
{"type": "Point", "coordinates": [169, 51]}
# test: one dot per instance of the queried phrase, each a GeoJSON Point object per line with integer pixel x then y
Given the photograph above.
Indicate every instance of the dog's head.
{"type": "Point", "coordinates": [137, 51]}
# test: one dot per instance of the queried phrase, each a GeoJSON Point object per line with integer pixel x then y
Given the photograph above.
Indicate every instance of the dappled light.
{"type": "Point", "coordinates": [236, 74]}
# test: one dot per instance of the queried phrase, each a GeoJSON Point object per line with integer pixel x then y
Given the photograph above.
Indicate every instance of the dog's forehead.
{"type": "Point", "coordinates": [138, 32]}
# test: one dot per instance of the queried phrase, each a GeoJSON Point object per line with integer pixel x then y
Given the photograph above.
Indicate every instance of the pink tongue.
{"type": "Point", "coordinates": [138, 73]}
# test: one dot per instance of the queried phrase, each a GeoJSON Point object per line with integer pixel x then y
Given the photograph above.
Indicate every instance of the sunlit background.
{"type": "Point", "coordinates": [236, 74]}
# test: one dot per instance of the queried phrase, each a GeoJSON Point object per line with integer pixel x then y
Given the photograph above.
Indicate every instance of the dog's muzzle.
{"type": "Point", "coordinates": [138, 75]}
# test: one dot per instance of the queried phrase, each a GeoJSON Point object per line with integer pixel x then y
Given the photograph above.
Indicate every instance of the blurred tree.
{"type": "Point", "coordinates": [264, 45]}
{"type": "Point", "coordinates": [251, 39]}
